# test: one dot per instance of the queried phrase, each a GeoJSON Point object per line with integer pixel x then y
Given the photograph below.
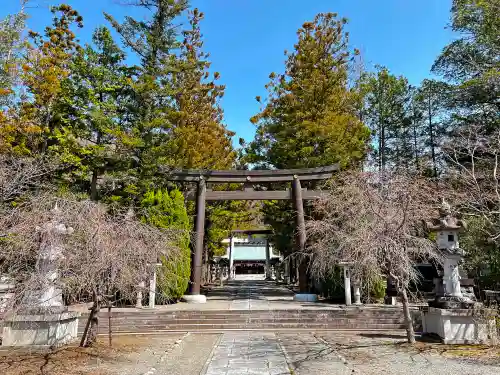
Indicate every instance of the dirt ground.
{"type": "Point", "coordinates": [98, 360]}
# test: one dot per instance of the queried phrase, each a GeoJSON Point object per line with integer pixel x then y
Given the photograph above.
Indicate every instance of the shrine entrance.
{"type": "Point", "coordinates": [256, 186]}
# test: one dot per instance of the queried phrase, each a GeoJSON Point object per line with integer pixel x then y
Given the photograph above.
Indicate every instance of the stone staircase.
{"type": "Point", "coordinates": [143, 321]}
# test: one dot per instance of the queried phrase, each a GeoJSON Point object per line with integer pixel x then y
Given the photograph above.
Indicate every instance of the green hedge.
{"type": "Point", "coordinates": [165, 209]}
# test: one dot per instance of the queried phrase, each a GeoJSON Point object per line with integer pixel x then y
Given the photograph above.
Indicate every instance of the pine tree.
{"type": "Point", "coordinates": [310, 118]}
{"type": "Point", "coordinates": [11, 48]}
{"type": "Point", "coordinates": [48, 65]}
{"type": "Point", "coordinates": [388, 113]}
{"type": "Point", "coordinates": [92, 106]}
{"type": "Point", "coordinates": [154, 41]}
{"type": "Point", "coordinates": [471, 63]}
{"type": "Point", "coordinates": [430, 102]}
{"type": "Point", "coordinates": [200, 139]}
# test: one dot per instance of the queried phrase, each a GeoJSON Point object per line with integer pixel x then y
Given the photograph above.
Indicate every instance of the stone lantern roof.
{"type": "Point", "coordinates": [447, 227]}
{"type": "Point", "coordinates": [446, 221]}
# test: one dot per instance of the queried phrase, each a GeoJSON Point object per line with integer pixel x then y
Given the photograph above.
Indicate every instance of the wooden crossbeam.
{"type": "Point", "coordinates": [235, 176]}
{"type": "Point", "coordinates": [213, 195]}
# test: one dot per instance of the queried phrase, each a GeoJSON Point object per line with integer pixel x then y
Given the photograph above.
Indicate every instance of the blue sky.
{"type": "Point", "coordinates": [246, 38]}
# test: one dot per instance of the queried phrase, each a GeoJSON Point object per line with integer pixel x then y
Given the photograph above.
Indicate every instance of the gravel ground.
{"type": "Point", "coordinates": [172, 354]}
{"type": "Point", "coordinates": [337, 353]}
{"type": "Point", "coordinates": [236, 353]}
{"type": "Point", "coordinates": [145, 358]}
{"type": "Point", "coordinates": [183, 354]}
{"type": "Point", "coordinates": [190, 357]}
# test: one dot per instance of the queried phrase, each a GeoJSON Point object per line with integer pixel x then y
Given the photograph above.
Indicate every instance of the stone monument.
{"type": "Point", "coordinates": [43, 319]}
{"type": "Point", "coordinates": [455, 318]}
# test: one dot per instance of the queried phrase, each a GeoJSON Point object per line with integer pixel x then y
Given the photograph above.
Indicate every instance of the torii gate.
{"type": "Point", "coordinates": [248, 178]}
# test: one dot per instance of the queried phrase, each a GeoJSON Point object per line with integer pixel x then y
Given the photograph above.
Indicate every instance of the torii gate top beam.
{"type": "Point", "coordinates": [241, 176]}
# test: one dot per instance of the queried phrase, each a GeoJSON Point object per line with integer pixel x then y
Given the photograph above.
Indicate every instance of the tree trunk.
{"type": "Point", "coordinates": [93, 185]}
{"type": "Point", "coordinates": [415, 145]}
{"type": "Point", "coordinates": [94, 322]}
{"type": "Point", "coordinates": [431, 135]}
{"type": "Point", "coordinates": [410, 333]}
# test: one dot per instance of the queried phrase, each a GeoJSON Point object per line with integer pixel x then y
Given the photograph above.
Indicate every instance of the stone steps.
{"type": "Point", "coordinates": [223, 327]}
{"type": "Point", "coordinates": [150, 321]}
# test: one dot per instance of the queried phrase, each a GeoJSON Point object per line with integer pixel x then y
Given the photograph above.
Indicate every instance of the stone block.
{"type": "Point", "coordinates": [461, 326]}
{"type": "Point", "coordinates": [305, 297]}
{"type": "Point", "coordinates": [194, 298]}
{"type": "Point", "coordinates": [40, 330]}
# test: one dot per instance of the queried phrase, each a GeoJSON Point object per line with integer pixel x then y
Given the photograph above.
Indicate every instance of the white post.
{"type": "Point", "coordinates": [347, 285]}
{"type": "Point", "coordinates": [286, 272]}
{"type": "Point", "coordinates": [231, 258]}
{"type": "Point", "coordinates": [138, 302]}
{"type": "Point", "coordinates": [357, 295]}
{"type": "Point", "coordinates": [268, 261]}
{"type": "Point", "coordinates": [152, 288]}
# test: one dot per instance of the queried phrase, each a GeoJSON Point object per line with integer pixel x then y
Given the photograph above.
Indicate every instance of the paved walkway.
{"type": "Point", "coordinates": [251, 292]}
{"type": "Point", "coordinates": [247, 292]}
{"type": "Point", "coordinates": [248, 353]}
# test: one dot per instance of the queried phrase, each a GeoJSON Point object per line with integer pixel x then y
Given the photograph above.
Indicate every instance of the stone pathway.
{"type": "Point", "coordinates": [241, 353]}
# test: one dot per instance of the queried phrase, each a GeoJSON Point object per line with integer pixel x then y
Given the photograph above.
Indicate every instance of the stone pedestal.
{"type": "Point", "coordinates": [138, 301]}
{"type": "Point", "coordinates": [194, 298]}
{"type": "Point", "coordinates": [305, 297]}
{"type": "Point", "coordinates": [461, 326]}
{"type": "Point", "coordinates": [357, 295]}
{"type": "Point", "coordinates": [40, 330]}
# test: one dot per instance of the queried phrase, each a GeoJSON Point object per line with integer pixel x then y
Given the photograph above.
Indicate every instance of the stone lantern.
{"type": "Point", "coordinates": [447, 229]}
{"type": "Point", "coordinates": [44, 320]}
{"type": "Point", "coordinates": [455, 318]}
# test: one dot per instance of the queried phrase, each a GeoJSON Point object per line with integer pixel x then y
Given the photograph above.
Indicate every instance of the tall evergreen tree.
{"type": "Point", "coordinates": [310, 118]}
{"type": "Point", "coordinates": [199, 137]}
{"type": "Point", "coordinates": [311, 115]}
{"type": "Point", "coordinates": [93, 109]}
{"type": "Point", "coordinates": [430, 103]}
{"type": "Point", "coordinates": [472, 63]}
{"type": "Point", "coordinates": [47, 66]}
{"type": "Point", "coordinates": [388, 114]}
{"type": "Point", "coordinates": [11, 48]}
{"type": "Point", "coordinates": [155, 41]}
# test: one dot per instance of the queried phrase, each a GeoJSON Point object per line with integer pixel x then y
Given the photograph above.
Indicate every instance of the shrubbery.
{"type": "Point", "coordinates": [165, 209]}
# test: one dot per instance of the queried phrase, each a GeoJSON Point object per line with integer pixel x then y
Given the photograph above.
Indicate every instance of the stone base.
{"type": "Point", "coordinates": [393, 301]}
{"type": "Point", "coordinates": [305, 297]}
{"type": "Point", "coordinates": [452, 303]}
{"type": "Point", "coordinates": [194, 298]}
{"type": "Point", "coordinates": [40, 330]}
{"type": "Point", "coordinates": [461, 326]}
